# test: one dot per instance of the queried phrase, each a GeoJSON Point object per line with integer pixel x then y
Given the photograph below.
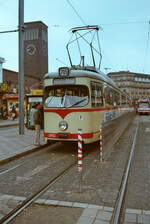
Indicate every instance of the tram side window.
{"type": "Point", "coordinates": [112, 97]}
{"type": "Point", "coordinates": [96, 94]}
{"type": "Point", "coordinates": [117, 99]}
{"type": "Point", "coordinates": [124, 101]}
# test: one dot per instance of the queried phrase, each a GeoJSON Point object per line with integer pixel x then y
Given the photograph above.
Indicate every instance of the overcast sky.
{"type": "Point", "coordinates": [124, 40]}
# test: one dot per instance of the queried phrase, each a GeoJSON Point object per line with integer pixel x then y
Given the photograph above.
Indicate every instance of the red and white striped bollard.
{"type": "Point", "coordinates": [80, 157]}
{"type": "Point", "coordinates": [101, 144]}
{"type": "Point", "coordinates": [80, 150]}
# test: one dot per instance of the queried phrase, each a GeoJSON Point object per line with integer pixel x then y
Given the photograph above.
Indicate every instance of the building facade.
{"type": "Point", "coordinates": [137, 85]}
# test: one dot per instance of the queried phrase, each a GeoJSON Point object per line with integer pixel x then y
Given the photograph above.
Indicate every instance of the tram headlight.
{"type": "Point", "coordinates": [63, 125]}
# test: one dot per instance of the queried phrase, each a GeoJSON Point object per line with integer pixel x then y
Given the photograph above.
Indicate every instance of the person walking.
{"type": "Point", "coordinates": [13, 113]}
{"type": "Point", "coordinates": [37, 122]}
{"type": "Point", "coordinates": [32, 117]}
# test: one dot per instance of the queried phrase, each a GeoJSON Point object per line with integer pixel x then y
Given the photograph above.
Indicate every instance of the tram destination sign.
{"type": "Point", "coordinates": [64, 81]}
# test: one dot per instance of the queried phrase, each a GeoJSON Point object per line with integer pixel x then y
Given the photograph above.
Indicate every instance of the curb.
{"type": "Point", "coordinates": [19, 155]}
{"type": "Point", "coordinates": [8, 125]}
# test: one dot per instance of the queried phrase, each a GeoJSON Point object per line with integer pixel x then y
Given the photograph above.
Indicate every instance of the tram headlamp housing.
{"type": "Point", "coordinates": [63, 71]}
{"type": "Point", "coordinates": [63, 125]}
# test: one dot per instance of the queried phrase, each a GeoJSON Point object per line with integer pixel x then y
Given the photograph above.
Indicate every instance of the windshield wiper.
{"type": "Point", "coordinates": [80, 101]}
{"type": "Point", "coordinates": [49, 100]}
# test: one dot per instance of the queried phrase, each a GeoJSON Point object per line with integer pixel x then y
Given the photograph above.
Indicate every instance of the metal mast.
{"type": "Point", "coordinates": [21, 67]}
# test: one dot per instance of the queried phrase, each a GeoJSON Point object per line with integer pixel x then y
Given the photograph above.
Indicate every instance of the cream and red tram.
{"type": "Point", "coordinates": [143, 106]}
{"type": "Point", "coordinates": [77, 98]}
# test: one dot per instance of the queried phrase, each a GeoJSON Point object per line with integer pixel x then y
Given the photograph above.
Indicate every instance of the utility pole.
{"type": "Point", "coordinates": [21, 67]}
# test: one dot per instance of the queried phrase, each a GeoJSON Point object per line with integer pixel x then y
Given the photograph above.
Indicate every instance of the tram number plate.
{"type": "Point", "coordinates": [63, 135]}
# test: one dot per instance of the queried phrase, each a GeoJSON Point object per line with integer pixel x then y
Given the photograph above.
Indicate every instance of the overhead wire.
{"type": "Point", "coordinates": [76, 12]}
{"type": "Point", "coordinates": [9, 31]}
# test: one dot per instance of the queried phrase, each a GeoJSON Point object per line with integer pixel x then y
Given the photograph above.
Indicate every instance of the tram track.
{"type": "Point", "coordinates": [74, 190]}
{"type": "Point", "coordinates": [26, 203]}
{"type": "Point", "coordinates": [34, 197]}
{"type": "Point", "coordinates": [118, 209]}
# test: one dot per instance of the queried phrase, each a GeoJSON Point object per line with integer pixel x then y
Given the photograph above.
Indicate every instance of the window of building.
{"type": "Point", "coordinates": [31, 34]}
{"type": "Point", "coordinates": [44, 35]}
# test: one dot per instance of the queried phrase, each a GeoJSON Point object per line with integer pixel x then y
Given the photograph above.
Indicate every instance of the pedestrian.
{"type": "Point", "coordinates": [37, 122]}
{"type": "Point", "coordinates": [1, 112]}
{"type": "Point", "coordinates": [4, 113]}
{"type": "Point", "coordinates": [13, 113]}
{"type": "Point", "coordinates": [32, 117]}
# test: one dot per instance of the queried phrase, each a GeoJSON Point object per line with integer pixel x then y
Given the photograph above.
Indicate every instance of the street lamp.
{"type": "Point", "coordinates": [2, 60]}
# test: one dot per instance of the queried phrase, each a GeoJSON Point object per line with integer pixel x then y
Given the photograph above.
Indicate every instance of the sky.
{"type": "Point", "coordinates": [124, 38]}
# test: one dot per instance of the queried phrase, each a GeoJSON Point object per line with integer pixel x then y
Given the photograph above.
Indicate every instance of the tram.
{"type": "Point", "coordinates": [79, 97]}
{"type": "Point", "coordinates": [143, 106]}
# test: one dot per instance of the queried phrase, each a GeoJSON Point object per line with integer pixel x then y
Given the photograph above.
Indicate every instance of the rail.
{"type": "Point", "coordinates": [119, 203]}
{"type": "Point", "coordinates": [28, 201]}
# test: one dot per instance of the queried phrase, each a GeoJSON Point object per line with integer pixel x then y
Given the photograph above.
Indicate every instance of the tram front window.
{"type": "Point", "coordinates": [66, 96]}
{"type": "Point", "coordinates": [144, 105]}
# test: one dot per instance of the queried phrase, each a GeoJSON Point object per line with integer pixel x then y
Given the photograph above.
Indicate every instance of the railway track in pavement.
{"type": "Point", "coordinates": [105, 189]}
{"type": "Point", "coordinates": [31, 197]}
{"type": "Point", "coordinates": [132, 204]}
{"type": "Point", "coordinates": [119, 205]}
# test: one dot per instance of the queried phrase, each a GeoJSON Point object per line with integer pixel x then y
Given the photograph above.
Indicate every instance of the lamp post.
{"type": "Point", "coordinates": [2, 60]}
{"type": "Point", "coordinates": [21, 67]}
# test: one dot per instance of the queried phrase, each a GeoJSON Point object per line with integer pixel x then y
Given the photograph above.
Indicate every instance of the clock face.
{"type": "Point", "coordinates": [31, 49]}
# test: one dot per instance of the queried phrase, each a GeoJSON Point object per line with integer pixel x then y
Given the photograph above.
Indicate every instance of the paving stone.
{"type": "Point", "coordinates": [40, 201]}
{"type": "Point", "coordinates": [134, 211]}
{"type": "Point", "coordinates": [1, 216]}
{"type": "Point", "coordinates": [144, 219]}
{"type": "Point", "coordinates": [146, 212]}
{"type": "Point", "coordinates": [103, 215]}
{"type": "Point", "coordinates": [130, 218]}
{"type": "Point", "coordinates": [5, 210]}
{"type": "Point", "coordinates": [65, 203]}
{"type": "Point", "coordinates": [13, 203]}
{"type": "Point", "coordinates": [108, 209]}
{"type": "Point", "coordinates": [85, 220]}
{"type": "Point", "coordinates": [51, 202]}
{"type": "Point", "coordinates": [19, 198]}
{"type": "Point", "coordinates": [90, 212]}
{"type": "Point", "coordinates": [96, 206]}
{"type": "Point", "coordinates": [80, 205]}
{"type": "Point", "coordinates": [100, 222]}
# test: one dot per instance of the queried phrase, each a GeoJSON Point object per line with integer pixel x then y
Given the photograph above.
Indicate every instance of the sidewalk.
{"type": "Point", "coordinates": [12, 144]}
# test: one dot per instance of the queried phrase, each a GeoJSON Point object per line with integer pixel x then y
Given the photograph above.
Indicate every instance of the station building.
{"type": "Point", "coordinates": [137, 85]}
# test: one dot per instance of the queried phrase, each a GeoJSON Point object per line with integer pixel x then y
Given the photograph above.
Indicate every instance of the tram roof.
{"type": "Point", "coordinates": [90, 73]}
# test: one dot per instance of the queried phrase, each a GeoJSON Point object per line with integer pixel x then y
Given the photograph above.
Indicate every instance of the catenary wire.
{"type": "Point", "coordinates": [76, 12]}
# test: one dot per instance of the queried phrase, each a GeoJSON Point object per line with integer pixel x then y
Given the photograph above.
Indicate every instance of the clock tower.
{"type": "Point", "coordinates": [35, 49]}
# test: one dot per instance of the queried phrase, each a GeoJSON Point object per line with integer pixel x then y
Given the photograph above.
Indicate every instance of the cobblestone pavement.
{"type": "Point", "coordinates": [11, 143]}
{"type": "Point", "coordinates": [138, 195]}
{"type": "Point", "coordinates": [94, 205]}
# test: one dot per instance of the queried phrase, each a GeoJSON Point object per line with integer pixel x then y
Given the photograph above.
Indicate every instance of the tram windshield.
{"type": "Point", "coordinates": [143, 105]}
{"type": "Point", "coordinates": [125, 104]}
{"type": "Point", "coordinates": [66, 96]}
